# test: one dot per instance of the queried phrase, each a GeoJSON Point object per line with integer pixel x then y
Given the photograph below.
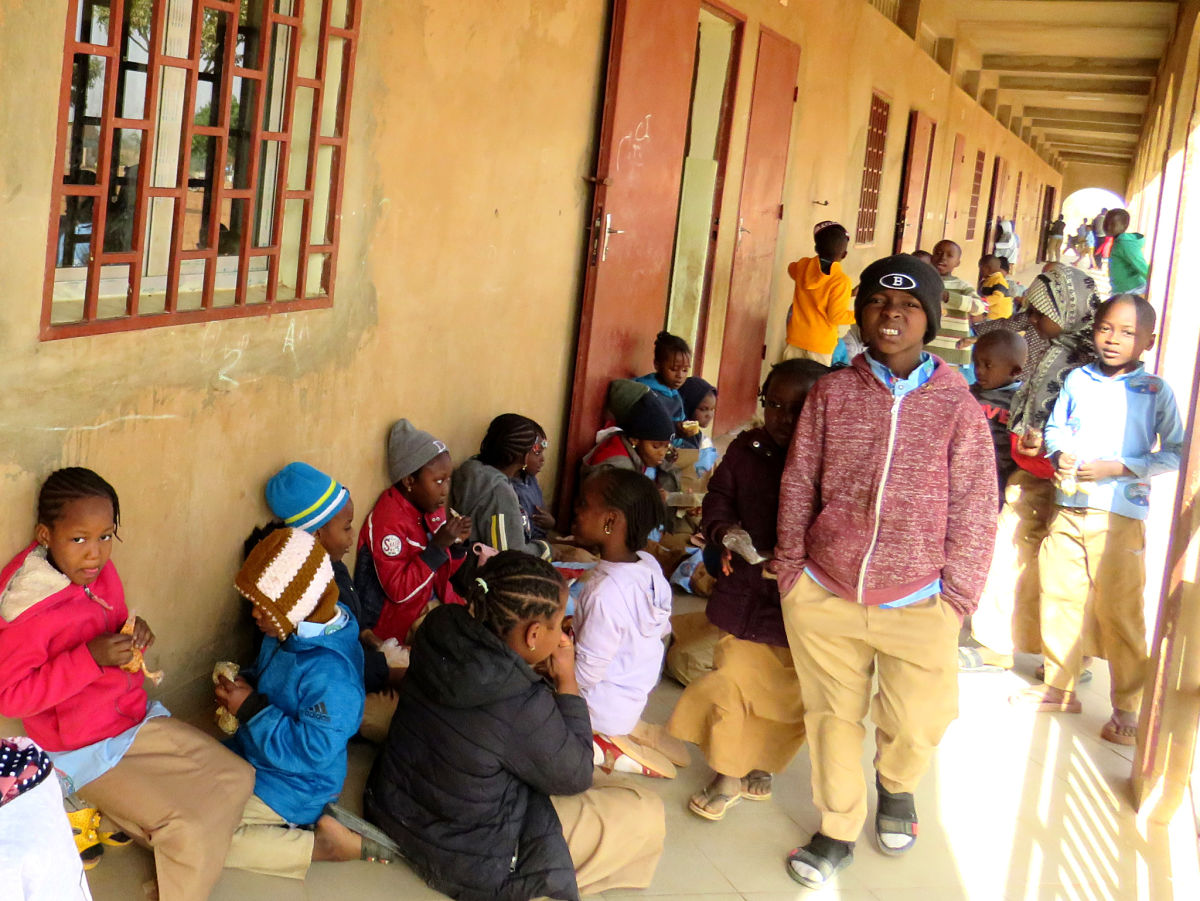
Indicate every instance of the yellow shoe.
{"type": "Point", "coordinates": [87, 839]}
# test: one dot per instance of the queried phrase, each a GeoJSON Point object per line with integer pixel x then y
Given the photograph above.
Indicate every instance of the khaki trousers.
{"type": "Point", "coordinates": [614, 831]}
{"type": "Point", "coordinates": [746, 714]}
{"type": "Point", "coordinates": [1093, 559]}
{"type": "Point", "coordinates": [693, 644]}
{"type": "Point", "coordinates": [182, 794]}
{"type": "Point", "coordinates": [837, 645]}
{"type": "Point", "coordinates": [266, 843]}
{"type": "Point", "coordinates": [791, 352]}
{"type": "Point", "coordinates": [1008, 618]}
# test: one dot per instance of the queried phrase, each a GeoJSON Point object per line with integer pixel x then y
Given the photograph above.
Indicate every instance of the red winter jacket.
{"type": "Point", "coordinates": [881, 495]}
{"type": "Point", "coordinates": [48, 678]}
{"type": "Point", "coordinates": [411, 569]}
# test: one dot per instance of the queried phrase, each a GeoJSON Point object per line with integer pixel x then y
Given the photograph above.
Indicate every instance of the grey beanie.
{"type": "Point", "coordinates": [408, 449]}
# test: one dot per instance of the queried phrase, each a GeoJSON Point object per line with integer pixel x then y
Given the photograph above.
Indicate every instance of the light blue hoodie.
{"type": "Point", "coordinates": [1121, 417]}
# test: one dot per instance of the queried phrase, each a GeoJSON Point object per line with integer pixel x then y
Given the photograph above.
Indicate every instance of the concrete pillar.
{"type": "Point", "coordinates": [1004, 114]}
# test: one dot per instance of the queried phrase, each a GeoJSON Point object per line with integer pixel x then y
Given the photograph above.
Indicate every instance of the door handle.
{"type": "Point", "coordinates": [608, 232]}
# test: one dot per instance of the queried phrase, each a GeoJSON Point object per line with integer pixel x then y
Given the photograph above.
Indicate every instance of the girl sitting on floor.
{"type": "Point", "coordinates": [640, 442]}
{"type": "Point", "coordinates": [486, 779]}
{"type": "Point", "coordinates": [620, 622]}
{"type": "Point", "coordinates": [746, 714]}
{"type": "Point", "coordinates": [672, 363]}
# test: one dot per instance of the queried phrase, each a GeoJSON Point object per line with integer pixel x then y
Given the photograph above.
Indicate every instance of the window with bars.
{"type": "Point", "coordinates": [976, 187]}
{"type": "Point", "coordinates": [200, 159]}
{"type": "Point", "coordinates": [1017, 198]}
{"type": "Point", "coordinates": [872, 177]}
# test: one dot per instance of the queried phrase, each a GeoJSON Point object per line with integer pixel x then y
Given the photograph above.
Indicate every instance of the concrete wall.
{"type": "Point", "coordinates": [472, 128]}
{"type": "Point", "coordinates": [1077, 176]}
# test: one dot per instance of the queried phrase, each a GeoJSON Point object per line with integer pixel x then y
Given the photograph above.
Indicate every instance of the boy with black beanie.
{"type": "Point", "coordinates": [887, 511]}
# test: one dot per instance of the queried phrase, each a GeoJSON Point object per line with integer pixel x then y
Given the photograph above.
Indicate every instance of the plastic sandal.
{"type": "Point", "coordinates": [376, 846]}
{"type": "Point", "coordinates": [699, 804]}
{"type": "Point", "coordinates": [621, 754]}
{"type": "Point", "coordinates": [1040, 674]}
{"type": "Point", "coordinates": [895, 815]}
{"type": "Point", "coordinates": [1035, 700]}
{"type": "Point", "coordinates": [1110, 731]}
{"type": "Point", "coordinates": [760, 778]}
{"type": "Point", "coordinates": [824, 855]}
{"type": "Point", "coordinates": [87, 841]}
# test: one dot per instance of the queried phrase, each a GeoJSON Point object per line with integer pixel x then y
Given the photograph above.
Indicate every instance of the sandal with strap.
{"type": "Point", "coordinates": [1040, 674]}
{"type": "Point", "coordinates": [87, 841]}
{"type": "Point", "coordinates": [623, 754]}
{"type": "Point", "coordinates": [701, 802]}
{"type": "Point", "coordinates": [376, 845]}
{"type": "Point", "coordinates": [814, 865]}
{"type": "Point", "coordinates": [895, 821]}
{"type": "Point", "coordinates": [757, 779]}
{"type": "Point", "coordinates": [971, 661]}
{"type": "Point", "coordinates": [1119, 734]}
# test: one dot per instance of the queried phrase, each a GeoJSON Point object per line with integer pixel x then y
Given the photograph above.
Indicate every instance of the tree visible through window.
{"type": "Point", "coordinates": [872, 178]}
{"type": "Point", "coordinates": [201, 149]}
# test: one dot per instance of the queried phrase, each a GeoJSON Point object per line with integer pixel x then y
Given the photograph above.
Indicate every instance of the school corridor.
{"type": "Point", "coordinates": [238, 233]}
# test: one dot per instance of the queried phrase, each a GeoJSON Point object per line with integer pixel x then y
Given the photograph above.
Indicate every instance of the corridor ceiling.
{"type": "Point", "coordinates": [1072, 77]}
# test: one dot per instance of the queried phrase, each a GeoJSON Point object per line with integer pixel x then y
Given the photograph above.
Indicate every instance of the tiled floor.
{"type": "Point", "coordinates": [1016, 807]}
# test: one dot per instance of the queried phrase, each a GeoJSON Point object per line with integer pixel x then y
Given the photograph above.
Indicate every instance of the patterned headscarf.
{"type": "Point", "coordinates": [1068, 297]}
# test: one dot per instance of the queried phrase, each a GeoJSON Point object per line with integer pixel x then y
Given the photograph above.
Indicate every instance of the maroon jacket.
{"type": "Point", "coordinates": [744, 492]}
{"type": "Point", "coordinates": [883, 495]}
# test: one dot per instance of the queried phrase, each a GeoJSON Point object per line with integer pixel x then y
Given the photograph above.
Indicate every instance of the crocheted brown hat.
{"type": "Point", "coordinates": [288, 575]}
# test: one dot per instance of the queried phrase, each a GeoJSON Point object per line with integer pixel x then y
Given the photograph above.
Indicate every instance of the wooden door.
{"type": "Point", "coordinates": [956, 168]}
{"type": "Point", "coordinates": [759, 210]}
{"type": "Point", "coordinates": [918, 153]}
{"type": "Point", "coordinates": [1049, 214]}
{"type": "Point", "coordinates": [995, 198]}
{"type": "Point", "coordinates": [632, 228]}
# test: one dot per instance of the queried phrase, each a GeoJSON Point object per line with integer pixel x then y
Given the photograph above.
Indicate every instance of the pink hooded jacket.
{"type": "Point", "coordinates": [48, 678]}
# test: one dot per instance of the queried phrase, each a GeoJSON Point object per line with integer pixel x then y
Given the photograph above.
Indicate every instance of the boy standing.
{"type": "Point", "coordinates": [408, 548]}
{"type": "Point", "coordinates": [999, 357]}
{"type": "Point", "coordinates": [820, 311]}
{"type": "Point", "coordinates": [1102, 434]}
{"type": "Point", "coordinates": [1127, 266]}
{"type": "Point", "coordinates": [994, 287]}
{"type": "Point", "coordinates": [883, 547]}
{"type": "Point", "coordinates": [959, 303]}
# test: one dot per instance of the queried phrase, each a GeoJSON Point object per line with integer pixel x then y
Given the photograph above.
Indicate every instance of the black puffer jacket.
{"type": "Point", "coordinates": [478, 743]}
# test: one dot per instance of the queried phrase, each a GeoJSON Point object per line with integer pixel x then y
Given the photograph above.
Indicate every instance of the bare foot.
{"type": "Point", "coordinates": [756, 785]}
{"type": "Point", "coordinates": [718, 796]}
{"type": "Point", "coordinates": [334, 841]}
{"type": "Point", "coordinates": [1046, 699]}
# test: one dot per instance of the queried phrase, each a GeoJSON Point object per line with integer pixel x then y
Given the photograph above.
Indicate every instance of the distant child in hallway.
{"type": "Point", "coordinates": [672, 363]}
{"type": "Point", "coordinates": [887, 512]}
{"type": "Point", "coordinates": [999, 357]}
{"type": "Point", "coordinates": [69, 673]}
{"type": "Point", "coordinates": [1127, 266]}
{"type": "Point", "coordinates": [297, 707]}
{"type": "Point", "coordinates": [960, 302]}
{"type": "Point", "coordinates": [1102, 435]}
{"type": "Point", "coordinates": [994, 287]}
{"type": "Point", "coordinates": [746, 715]}
{"type": "Point", "coordinates": [408, 547]}
{"type": "Point", "coordinates": [620, 621]}
{"type": "Point", "coordinates": [820, 313]}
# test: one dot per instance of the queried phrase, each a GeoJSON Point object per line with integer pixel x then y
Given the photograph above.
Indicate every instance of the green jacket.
{"type": "Point", "coordinates": [1127, 267]}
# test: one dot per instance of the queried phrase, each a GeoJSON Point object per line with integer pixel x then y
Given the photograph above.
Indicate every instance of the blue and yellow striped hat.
{"type": "Point", "coordinates": [304, 497]}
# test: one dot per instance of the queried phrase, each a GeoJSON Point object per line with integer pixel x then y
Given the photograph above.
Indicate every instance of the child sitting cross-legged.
{"type": "Point", "coordinates": [700, 407]}
{"type": "Point", "coordinates": [1102, 435]}
{"type": "Point", "coordinates": [887, 511]}
{"type": "Point", "coordinates": [486, 779]}
{"type": "Point", "coordinates": [746, 714]}
{"type": "Point", "coordinates": [408, 547]}
{"type": "Point", "coordinates": [71, 673]}
{"type": "Point", "coordinates": [999, 358]}
{"type": "Point", "coordinates": [620, 622]}
{"type": "Point", "coordinates": [297, 707]}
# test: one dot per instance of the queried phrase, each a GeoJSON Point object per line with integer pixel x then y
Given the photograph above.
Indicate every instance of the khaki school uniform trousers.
{"type": "Point", "coordinates": [180, 793]}
{"type": "Point", "coordinates": [615, 832]}
{"type": "Point", "coordinates": [746, 714]}
{"type": "Point", "coordinates": [1094, 561]}
{"type": "Point", "coordinates": [791, 352]}
{"type": "Point", "coordinates": [837, 646]}
{"type": "Point", "coordinates": [264, 842]}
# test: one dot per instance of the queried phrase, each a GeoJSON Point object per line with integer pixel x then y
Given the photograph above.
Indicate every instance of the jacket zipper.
{"type": "Point", "coordinates": [887, 466]}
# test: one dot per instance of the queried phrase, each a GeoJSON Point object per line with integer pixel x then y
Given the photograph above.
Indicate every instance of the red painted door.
{"type": "Point", "coordinates": [632, 228]}
{"type": "Point", "coordinates": [918, 152]}
{"type": "Point", "coordinates": [956, 167]}
{"type": "Point", "coordinates": [759, 211]}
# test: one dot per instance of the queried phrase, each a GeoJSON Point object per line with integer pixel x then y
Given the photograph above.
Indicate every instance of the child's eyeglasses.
{"type": "Point", "coordinates": [776, 405]}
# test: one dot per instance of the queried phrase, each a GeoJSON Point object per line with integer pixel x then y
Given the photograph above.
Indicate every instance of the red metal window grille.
{"type": "Point", "coordinates": [872, 177]}
{"type": "Point", "coordinates": [976, 187]}
{"type": "Point", "coordinates": [200, 161]}
{"type": "Point", "coordinates": [1017, 197]}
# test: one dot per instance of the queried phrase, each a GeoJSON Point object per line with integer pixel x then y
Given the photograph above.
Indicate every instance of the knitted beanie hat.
{"type": "Point", "coordinates": [648, 420]}
{"type": "Point", "coordinates": [623, 394]}
{"type": "Point", "coordinates": [289, 577]}
{"type": "Point", "coordinates": [693, 391]}
{"type": "Point", "coordinates": [904, 272]}
{"type": "Point", "coordinates": [409, 449]}
{"type": "Point", "coordinates": [304, 497]}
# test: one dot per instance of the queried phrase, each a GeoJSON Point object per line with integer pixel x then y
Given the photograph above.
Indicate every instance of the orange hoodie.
{"type": "Point", "coordinates": [820, 304]}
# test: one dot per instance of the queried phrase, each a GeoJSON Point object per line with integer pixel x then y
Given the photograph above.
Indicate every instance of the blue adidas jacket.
{"type": "Point", "coordinates": [307, 704]}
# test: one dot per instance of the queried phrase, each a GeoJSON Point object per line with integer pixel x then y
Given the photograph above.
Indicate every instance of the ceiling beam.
{"type": "Point", "coordinates": [1108, 66]}
{"type": "Point", "coordinates": [1095, 127]}
{"type": "Point", "coordinates": [1088, 85]}
{"type": "Point", "coordinates": [1056, 138]}
{"type": "Point", "coordinates": [1078, 115]}
{"type": "Point", "coordinates": [1070, 156]}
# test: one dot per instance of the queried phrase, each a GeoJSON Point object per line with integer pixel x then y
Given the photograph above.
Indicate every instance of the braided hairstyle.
{"type": "Point", "coordinates": [71, 484]}
{"type": "Point", "coordinates": [510, 436]}
{"type": "Point", "coordinates": [636, 498]}
{"type": "Point", "coordinates": [667, 345]}
{"type": "Point", "coordinates": [514, 588]}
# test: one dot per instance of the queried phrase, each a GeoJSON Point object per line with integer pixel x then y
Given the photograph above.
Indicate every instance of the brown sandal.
{"type": "Point", "coordinates": [1119, 734]}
